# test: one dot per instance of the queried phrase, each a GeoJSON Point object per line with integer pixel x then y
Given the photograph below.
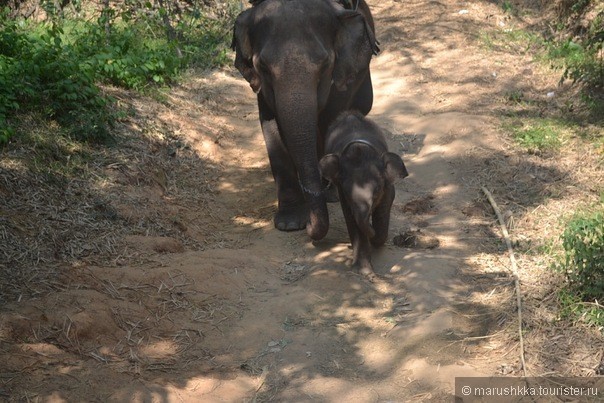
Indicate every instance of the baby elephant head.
{"type": "Point", "coordinates": [365, 180]}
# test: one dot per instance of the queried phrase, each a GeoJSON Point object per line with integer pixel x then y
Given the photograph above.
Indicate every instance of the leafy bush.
{"type": "Point", "coordinates": [40, 72]}
{"type": "Point", "coordinates": [138, 47]}
{"type": "Point", "coordinates": [583, 267]}
{"type": "Point", "coordinates": [583, 242]}
{"type": "Point", "coordinates": [574, 308]}
{"type": "Point", "coordinates": [8, 99]}
{"type": "Point", "coordinates": [582, 61]}
{"type": "Point", "coordinates": [55, 66]}
{"type": "Point", "coordinates": [581, 52]}
{"type": "Point", "coordinates": [124, 57]}
{"type": "Point", "coordinates": [10, 78]}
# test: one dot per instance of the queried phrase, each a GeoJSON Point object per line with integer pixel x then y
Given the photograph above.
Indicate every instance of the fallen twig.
{"type": "Point", "coordinates": [508, 242]}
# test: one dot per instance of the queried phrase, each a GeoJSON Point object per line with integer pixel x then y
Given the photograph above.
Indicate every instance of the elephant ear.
{"type": "Point", "coordinates": [395, 167]}
{"type": "Point", "coordinates": [242, 46]}
{"type": "Point", "coordinates": [355, 44]}
{"type": "Point", "coordinates": [330, 167]}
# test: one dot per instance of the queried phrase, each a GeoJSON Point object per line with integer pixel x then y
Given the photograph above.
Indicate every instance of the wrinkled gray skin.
{"type": "Point", "coordinates": [307, 60]}
{"type": "Point", "coordinates": [359, 164]}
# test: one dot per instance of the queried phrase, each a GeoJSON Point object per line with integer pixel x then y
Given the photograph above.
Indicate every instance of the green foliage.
{"type": "Point", "coordinates": [573, 308]}
{"type": "Point", "coordinates": [582, 61]}
{"type": "Point", "coordinates": [124, 57]}
{"type": "Point", "coordinates": [10, 82]}
{"type": "Point", "coordinates": [508, 7]}
{"type": "Point", "coordinates": [40, 72]}
{"type": "Point", "coordinates": [583, 242]}
{"type": "Point", "coordinates": [581, 54]}
{"type": "Point", "coordinates": [583, 268]}
{"type": "Point", "coordinates": [55, 66]}
{"type": "Point", "coordinates": [578, 6]}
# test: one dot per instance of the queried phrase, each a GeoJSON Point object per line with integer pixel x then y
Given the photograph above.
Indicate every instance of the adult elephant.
{"type": "Point", "coordinates": [307, 60]}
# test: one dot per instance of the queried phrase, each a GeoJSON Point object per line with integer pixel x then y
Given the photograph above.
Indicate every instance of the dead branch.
{"type": "Point", "coordinates": [514, 270]}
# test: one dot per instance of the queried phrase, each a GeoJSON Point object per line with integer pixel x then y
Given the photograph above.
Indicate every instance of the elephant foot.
{"type": "Point", "coordinates": [369, 274]}
{"type": "Point", "coordinates": [379, 240]}
{"type": "Point", "coordinates": [366, 270]}
{"type": "Point", "coordinates": [292, 217]}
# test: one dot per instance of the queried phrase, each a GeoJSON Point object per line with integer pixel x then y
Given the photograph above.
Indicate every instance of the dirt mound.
{"type": "Point", "coordinates": [415, 239]}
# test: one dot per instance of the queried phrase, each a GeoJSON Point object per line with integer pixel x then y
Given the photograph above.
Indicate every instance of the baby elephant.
{"type": "Point", "coordinates": [357, 161]}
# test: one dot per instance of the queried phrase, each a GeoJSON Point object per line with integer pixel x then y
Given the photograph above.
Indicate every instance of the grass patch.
{"type": "Point", "coordinates": [539, 135]}
{"type": "Point", "coordinates": [510, 40]}
{"type": "Point", "coordinates": [547, 136]}
{"type": "Point", "coordinates": [46, 150]}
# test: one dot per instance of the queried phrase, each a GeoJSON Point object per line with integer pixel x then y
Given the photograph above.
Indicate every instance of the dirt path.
{"type": "Point", "coordinates": [257, 314]}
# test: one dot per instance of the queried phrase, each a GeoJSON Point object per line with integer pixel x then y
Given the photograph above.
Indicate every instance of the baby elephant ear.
{"type": "Point", "coordinates": [330, 167]}
{"type": "Point", "coordinates": [395, 167]}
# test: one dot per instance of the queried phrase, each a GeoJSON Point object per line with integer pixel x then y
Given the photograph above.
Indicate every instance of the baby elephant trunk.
{"type": "Point", "coordinates": [362, 216]}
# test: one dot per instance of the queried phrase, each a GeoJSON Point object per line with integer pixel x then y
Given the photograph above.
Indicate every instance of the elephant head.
{"type": "Point", "coordinates": [354, 39]}
{"type": "Point", "coordinates": [295, 54]}
{"type": "Point", "coordinates": [364, 177]}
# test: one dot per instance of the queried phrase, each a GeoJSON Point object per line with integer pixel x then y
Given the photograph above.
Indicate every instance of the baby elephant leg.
{"type": "Point", "coordinates": [381, 217]}
{"type": "Point", "coordinates": [361, 245]}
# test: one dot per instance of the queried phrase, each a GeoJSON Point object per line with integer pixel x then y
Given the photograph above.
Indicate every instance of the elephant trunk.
{"type": "Point", "coordinates": [298, 122]}
{"type": "Point", "coordinates": [362, 214]}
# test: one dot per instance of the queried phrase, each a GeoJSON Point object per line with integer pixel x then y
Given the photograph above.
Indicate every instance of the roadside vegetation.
{"type": "Point", "coordinates": [71, 83]}
{"type": "Point", "coordinates": [55, 62]}
{"type": "Point", "coordinates": [560, 123]}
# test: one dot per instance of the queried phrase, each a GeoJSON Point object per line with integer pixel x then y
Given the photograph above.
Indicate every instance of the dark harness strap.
{"type": "Point", "coordinates": [347, 4]}
{"type": "Point", "coordinates": [358, 141]}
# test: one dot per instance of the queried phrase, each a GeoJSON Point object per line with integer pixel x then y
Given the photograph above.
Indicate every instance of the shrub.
{"type": "Point", "coordinates": [582, 61]}
{"type": "Point", "coordinates": [40, 72]}
{"type": "Point", "coordinates": [583, 242]}
{"type": "Point", "coordinates": [123, 55]}
{"type": "Point", "coordinates": [581, 52]}
{"type": "Point", "coordinates": [11, 82]}
{"type": "Point", "coordinates": [55, 66]}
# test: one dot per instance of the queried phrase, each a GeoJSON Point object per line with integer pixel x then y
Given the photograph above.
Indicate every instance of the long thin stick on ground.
{"type": "Point", "coordinates": [508, 242]}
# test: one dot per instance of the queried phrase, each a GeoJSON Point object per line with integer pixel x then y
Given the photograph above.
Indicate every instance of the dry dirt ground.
{"type": "Point", "coordinates": [193, 295]}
